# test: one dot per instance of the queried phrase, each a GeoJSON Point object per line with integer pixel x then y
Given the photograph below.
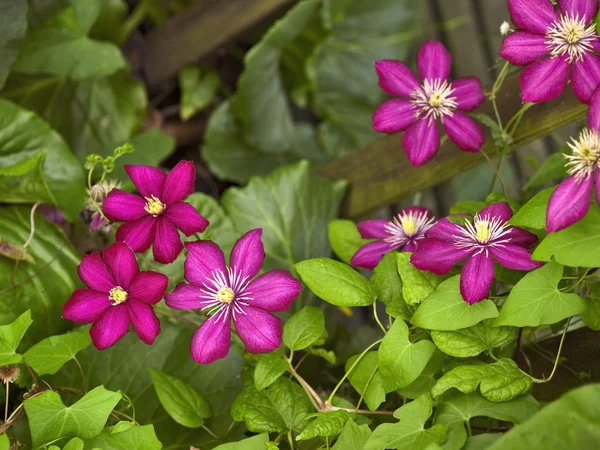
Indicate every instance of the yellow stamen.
{"type": "Point", "coordinates": [225, 295]}
{"type": "Point", "coordinates": [435, 100]}
{"type": "Point", "coordinates": [408, 225]}
{"type": "Point", "coordinates": [154, 206]}
{"type": "Point", "coordinates": [117, 295]}
{"type": "Point", "coordinates": [482, 231]}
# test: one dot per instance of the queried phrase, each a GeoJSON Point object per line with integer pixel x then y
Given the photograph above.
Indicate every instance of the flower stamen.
{"type": "Point", "coordinates": [570, 35]}
{"type": "Point", "coordinates": [483, 232]}
{"type": "Point", "coordinates": [434, 99]}
{"type": "Point", "coordinates": [225, 295]}
{"type": "Point", "coordinates": [117, 295]}
{"type": "Point", "coordinates": [409, 225]}
{"type": "Point", "coordinates": [154, 206]}
{"type": "Point", "coordinates": [585, 154]}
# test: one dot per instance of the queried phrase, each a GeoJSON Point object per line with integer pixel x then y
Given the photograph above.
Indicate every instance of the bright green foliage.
{"type": "Point", "coordinates": [533, 214]}
{"type": "Point", "coordinates": [386, 279]}
{"type": "Point", "coordinates": [257, 442]}
{"type": "Point", "coordinates": [50, 354]}
{"type": "Point", "coordinates": [74, 444]}
{"type": "Point", "coordinates": [472, 341]}
{"type": "Point", "coordinates": [269, 367]}
{"type": "Point", "coordinates": [424, 382]}
{"type": "Point", "coordinates": [366, 379]}
{"type": "Point", "coordinates": [10, 338]}
{"type": "Point", "coordinates": [198, 89]}
{"type": "Point", "coordinates": [304, 328]}
{"type": "Point", "coordinates": [4, 442]}
{"type": "Point", "coordinates": [417, 284]}
{"type": "Point", "coordinates": [353, 436]}
{"type": "Point", "coordinates": [126, 436]}
{"type": "Point", "coordinates": [325, 424]}
{"type": "Point", "coordinates": [345, 239]}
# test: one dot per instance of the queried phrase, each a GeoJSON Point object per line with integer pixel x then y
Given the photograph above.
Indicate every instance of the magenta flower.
{"type": "Point", "coordinates": [118, 294]}
{"type": "Point", "coordinates": [404, 231]}
{"type": "Point", "coordinates": [568, 36]}
{"type": "Point", "coordinates": [421, 105]}
{"type": "Point", "coordinates": [227, 294]}
{"type": "Point", "coordinates": [153, 218]}
{"type": "Point", "coordinates": [488, 238]}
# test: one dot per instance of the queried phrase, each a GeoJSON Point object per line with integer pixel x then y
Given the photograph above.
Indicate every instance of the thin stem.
{"type": "Point", "coordinates": [468, 424]}
{"type": "Point", "coordinates": [6, 402]}
{"type": "Point", "coordinates": [517, 117]}
{"type": "Point", "coordinates": [134, 20]}
{"type": "Point", "coordinates": [83, 379]}
{"type": "Point", "coordinates": [312, 395]}
{"type": "Point", "coordinates": [496, 173]}
{"type": "Point", "coordinates": [562, 340]}
{"type": "Point", "coordinates": [209, 431]}
{"type": "Point", "coordinates": [377, 318]}
{"type": "Point", "coordinates": [290, 439]}
{"type": "Point", "coordinates": [362, 396]}
{"type": "Point", "coordinates": [306, 355]}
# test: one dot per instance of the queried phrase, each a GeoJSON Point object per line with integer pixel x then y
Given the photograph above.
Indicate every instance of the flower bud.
{"type": "Point", "coordinates": [504, 28]}
{"type": "Point", "coordinates": [9, 373]}
{"type": "Point", "coordinates": [97, 193]}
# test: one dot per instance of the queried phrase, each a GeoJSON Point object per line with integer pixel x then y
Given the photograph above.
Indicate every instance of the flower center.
{"type": "Point", "coordinates": [408, 225]}
{"type": "Point", "coordinates": [434, 99]}
{"type": "Point", "coordinates": [154, 206]}
{"type": "Point", "coordinates": [585, 154]}
{"type": "Point", "coordinates": [117, 295]}
{"type": "Point", "coordinates": [571, 36]}
{"type": "Point", "coordinates": [484, 231]}
{"type": "Point", "coordinates": [225, 295]}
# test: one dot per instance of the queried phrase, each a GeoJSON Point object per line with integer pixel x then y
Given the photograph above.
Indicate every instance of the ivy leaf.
{"type": "Point", "coordinates": [401, 361]}
{"type": "Point", "coordinates": [472, 341]}
{"type": "Point", "coordinates": [536, 300]}
{"type": "Point", "coordinates": [533, 213]}
{"type": "Point", "coordinates": [424, 382]}
{"type": "Point", "coordinates": [345, 239]}
{"type": "Point", "coordinates": [417, 284]}
{"type": "Point", "coordinates": [269, 368]}
{"type": "Point", "coordinates": [325, 424]}
{"type": "Point", "coordinates": [336, 282]}
{"type": "Point", "coordinates": [366, 379]}
{"type": "Point", "coordinates": [50, 419]}
{"type": "Point", "coordinates": [551, 169]}
{"type": "Point", "coordinates": [257, 442]}
{"type": "Point", "coordinates": [49, 355]}
{"type": "Point", "coordinates": [14, 26]}
{"type": "Point", "coordinates": [591, 315]}
{"type": "Point", "coordinates": [353, 436]}
{"type": "Point", "coordinates": [500, 382]}
{"type": "Point", "coordinates": [10, 338]}
{"type": "Point", "coordinates": [198, 89]}
{"type": "Point", "coordinates": [446, 302]}
{"type": "Point", "coordinates": [410, 431]}
{"type": "Point", "coordinates": [128, 437]}
{"type": "Point", "coordinates": [183, 403]}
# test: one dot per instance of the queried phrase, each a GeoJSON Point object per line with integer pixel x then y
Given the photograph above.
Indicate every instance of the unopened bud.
{"type": "Point", "coordinates": [97, 193]}
{"type": "Point", "coordinates": [9, 373]}
{"type": "Point", "coordinates": [504, 28]}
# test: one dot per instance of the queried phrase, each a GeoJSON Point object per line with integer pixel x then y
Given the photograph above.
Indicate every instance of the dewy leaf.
{"type": "Point", "coordinates": [473, 340]}
{"type": "Point", "coordinates": [257, 442]}
{"type": "Point", "coordinates": [50, 419]}
{"type": "Point", "coordinates": [424, 382]}
{"type": "Point", "coordinates": [353, 436]}
{"type": "Point", "coordinates": [591, 315]}
{"type": "Point", "coordinates": [128, 437]}
{"type": "Point", "coordinates": [500, 382]}
{"type": "Point", "coordinates": [269, 367]}
{"type": "Point", "coordinates": [345, 239]}
{"type": "Point", "coordinates": [536, 300]}
{"type": "Point", "coordinates": [417, 284]}
{"type": "Point", "coordinates": [10, 338]}
{"type": "Point", "coordinates": [325, 424]}
{"type": "Point", "coordinates": [446, 310]}
{"type": "Point", "coordinates": [401, 361]}
{"type": "Point", "coordinates": [576, 246]}
{"type": "Point", "coordinates": [36, 164]}
{"type": "Point", "coordinates": [12, 31]}
{"type": "Point", "coordinates": [336, 282]}
{"type": "Point", "coordinates": [366, 379]}
{"type": "Point", "coordinates": [304, 328]}
{"type": "Point", "coordinates": [183, 403]}
{"type": "Point", "coordinates": [533, 213]}
{"type": "Point", "coordinates": [49, 355]}
{"type": "Point", "coordinates": [572, 421]}
{"type": "Point", "coordinates": [410, 431]}
{"type": "Point", "coordinates": [198, 90]}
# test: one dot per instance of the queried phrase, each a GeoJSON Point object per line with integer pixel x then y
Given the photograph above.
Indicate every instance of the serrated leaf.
{"type": "Point", "coordinates": [304, 328]}
{"type": "Point", "coordinates": [10, 338]}
{"type": "Point", "coordinates": [258, 442]}
{"type": "Point", "coordinates": [49, 355]}
{"type": "Point", "coordinates": [424, 382]}
{"type": "Point", "coordinates": [198, 89]}
{"type": "Point", "coordinates": [417, 284]}
{"type": "Point", "coordinates": [129, 437]}
{"type": "Point", "coordinates": [366, 379]}
{"type": "Point", "coordinates": [345, 239]}
{"type": "Point", "coordinates": [328, 424]}
{"type": "Point", "coordinates": [533, 214]}
{"type": "Point", "coordinates": [353, 436]}
{"type": "Point", "coordinates": [269, 367]}
{"type": "Point", "coordinates": [473, 340]}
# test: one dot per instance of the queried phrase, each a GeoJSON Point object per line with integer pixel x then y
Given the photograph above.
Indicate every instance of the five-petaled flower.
{"type": "Point", "coordinates": [568, 36]}
{"type": "Point", "coordinates": [119, 294]}
{"type": "Point", "coordinates": [227, 294]}
{"type": "Point", "coordinates": [421, 104]}
{"type": "Point", "coordinates": [404, 231]}
{"type": "Point", "coordinates": [153, 218]}
{"type": "Point", "coordinates": [488, 238]}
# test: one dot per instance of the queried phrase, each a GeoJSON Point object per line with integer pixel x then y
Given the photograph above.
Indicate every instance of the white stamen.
{"type": "Point", "coordinates": [216, 299]}
{"type": "Point", "coordinates": [504, 28]}
{"type": "Point", "coordinates": [434, 99]}
{"type": "Point", "coordinates": [571, 36]}
{"type": "Point", "coordinates": [585, 154]}
{"type": "Point", "coordinates": [409, 225]}
{"type": "Point", "coordinates": [483, 233]}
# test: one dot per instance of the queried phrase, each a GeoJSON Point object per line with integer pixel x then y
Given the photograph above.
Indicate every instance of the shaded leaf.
{"type": "Point", "coordinates": [325, 424]}
{"type": "Point", "coordinates": [551, 169]}
{"type": "Point", "coordinates": [12, 31]}
{"type": "Point", "coordinates": [257, 442]}
{"type": "Point", "coordinates": [591, 315]}
{"type": "Point", "coordinates": [198, 89]}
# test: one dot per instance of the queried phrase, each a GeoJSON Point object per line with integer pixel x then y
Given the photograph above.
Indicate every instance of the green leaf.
{"type": "Point", "coordinates": [198, 90]}
{"type": "Point", "coordinates": [576, 246]}
{"type": "Point", "coordinates": [327, 355]}
{"type": "Point", "coordinates": [74, 444]}
{"type": "Point", "coordinates": [183, 403]}
{"type": "Point", "coordinates": [424, 382]}
{"type": "Point", "coordinates": [49, 355]}
{"type": "Point", "coordinates": [386, 280]}
{"type": "Point", "coordinates": [345, 239]}
{"type": "Point", "coordinates": [417, 284]}
{"type": "Point", "coordinates": [129, 437]}
{"type": "Point", "coordinates": [410, 432]}
{"type": "Point", "coordinates": [472, 341]}
{"type": "Point", "coordinates": [336, 282]}
{"type": "Point", "coordinates": [533, 213]}
{"type": "Point", "coordinates": [304, 328]}
{"type": "Point", "coordinates": [552, 168]}
{"type": "Point", "coordinates": [50, 419]}
{"type": "Point", "coordinates": [500, 382]}
{"type": "Point", "coordinates": [591, 315]}
{"type": "Point", "coordinates": [12, 31]}
{"type": "Point", "coordinates": [109, 24]}
{"type": "Point", "coordinates": [353, 436]}
{"type": "Point", "coordinates": [4, 442]}
{"type": "Point", "coordinates": [401, 361]}
{"type": "Point", "coordinates": [325, 424]}
{"type": "Point", "coordinates": [10, 338]}
{"type": "Point", "coordinates": [536, 300]}
{"type": "Point", "coordinates": [446, 310]}
{"type": "Point", "coordinates": [572, 421]}
{"type": "Point", "coordinates": [257, 442]}
{"type": "Point", "coordinates": [269, 368]}
{"type": "Point", "coordinates": [470, 207]}
{"type": "Point", "coordinates": [481, 441]}
{"type": "Point", "coordinates": [36, 164]}
{"type": "Point", "coordinates": [366, 376]}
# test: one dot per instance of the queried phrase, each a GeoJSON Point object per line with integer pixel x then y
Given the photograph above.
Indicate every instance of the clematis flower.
{"type": "Point", "coordinates": [229, 294]}
{"type": "Point", "coordinates": [421, 104]}
{"type": "Point", "coordinates": [119, 294]}
{"type": "Point", "coordinates": [402, 232]}
{"type": "Point", "coordinates": [488, 238]}
{"type": "Point", "coordinates": [551, 43]}
{"type": "Point", "coordinates": [153, 218]}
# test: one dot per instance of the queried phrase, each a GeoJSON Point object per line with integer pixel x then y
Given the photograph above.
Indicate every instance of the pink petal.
{"type": "Point", "coordinates": [373, 229]}
{"type": "Point", "coordinates": [418, 210]}
{"type": "Point", "coordinates": [522, 48]}
{"type": "Point", "coordinates": [184, 297]}
{"type": "Point", "coordinates": [421, 142]}
{"type": "Point", "coordinates": [149, 286]}
{"type": "Point", "coordinates": [393, 116]}
{"type": "Point", "coordinates": [147, 180]}
{"type": "Point", "coordinates": [595, 43]}
{"type": "Point", "coordinates": [594, 111]}
{"type": "Point", "coordinates": [212, 340]}
{"type": "Point", "coordinates": [247, 255]}
{"type": "Point", "coordinates": [369, 255]}
{"type": "Point", "coordinates": [94, 272]}
{"type": "Point", "coordinates": [532, 15]}
{"type": "Point", "coordinates": [396, 78]}
{"type": "Point", "coordinates": [110, 327]}
{"type": "Point", "coordinates": [444, 230]}
{"type": "Point", "coordinates": [468, 93]}
{"type": "Point", "coordinates": [521, 237]}
{"type": "Point", "coordinates": [438, 256]}
{"type": "Point", "coordinates": [434, 61]}
{"type": "Point", "coordinates": [586, 9]}
{"type": "Point", "coordinates": [273, 291]}
{"type": "Point", "coordinates": [185, 217]}
{"type": "Point", "coordinates": [586, 77]}
{"type": "Point", "coordinates": [500, 210]}
{"type": "Point", "coordinates": [120, 206]}
{"type": "Point", "coordinates": [411, 246]}
{"type": "Point", "coordinates": [476, 277]}
{"type": "Point", "coordinates": [204, 258]}
{"type": "Point", "coordinates": [122, 262]}
{"type": "Point", "coordinates": [514, 257]}
{"type": "Point", "coordinates": [464, 132]}
{"type": "Point", "coordinates": [145, 323]}
{"type": "Point", "coordinates": [569, 203]}
{"type": "Point", "coordinates": [167, 243]}
{"type": "Point", "coordinates": [544, 80]}
{"type": "Point", "coordinates": [138, 234]}
{"type": "Point", "coordinates": [260, 331]}
{"type": "Point", "coordinates": [179, 183]}
{"type": "Point", "coordinates": [85, 305]}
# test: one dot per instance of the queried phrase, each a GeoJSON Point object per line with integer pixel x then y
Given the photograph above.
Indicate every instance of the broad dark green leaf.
{"type": "Point", "coordinates": [269, 367]}
{"type": "Point", "coordinates": [12, 31]}
{"type": "Point", "coordinates": [424, 382]}
{"type": "Point", "coordinates": [417, 284]}
{"type": "Point", "coordinates": [533, 213]}
{"type": "Point", "coordinates": [345, 239]}
{"type": "Point", "coordinates": [109, 24]}
{"type": "Point", "coordinates": [257, 442]}
{"type": "Point", "coordinates": [125, 436]}
{"type": "Point", "coordinates": [472, 341]}
{"type": "Point", "coordinates": [50, 354]}
{"type": "Point", "coordinates": [353, 436]}
{"type": "Point", "coordinates": [366, 379]}
{"type": "Point", "coordinates": [329, 424]}
{"type": "Point", "coordinates": [10, 338]}
{"type": "Point", "coordinates": [198, 89]}
{"type": "Point", "coordinates": [591, 315]}
{"type": "Point", "coordinates": [304, 328]}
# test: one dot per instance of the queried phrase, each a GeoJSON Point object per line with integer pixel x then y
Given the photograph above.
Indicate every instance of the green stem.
{"type": "Point", "coordinates": [291, 440]}
{"type": "Point", "coordinates": [562, 340]}
{"type": "Point", "coordinates": [209, 431]}
{"type": "Point", "coordinates": [468, 424]}
{"type": "Point", "coordinates": [517, 117]}
{"type": "Point", "coordinates": [362, 396]}
{"type": "Point", "coordinates": [134, 20]}
{"type": "Point", "coordinates": [497, 175]}
{"type": "Point", "coordinates": [377, 318]}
